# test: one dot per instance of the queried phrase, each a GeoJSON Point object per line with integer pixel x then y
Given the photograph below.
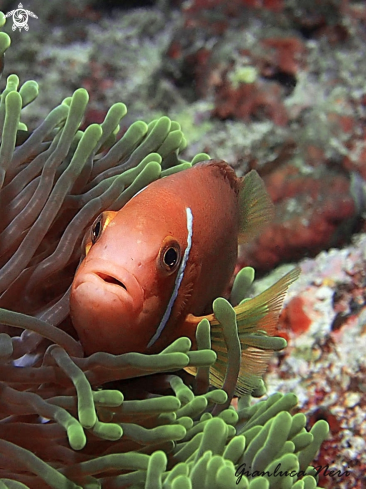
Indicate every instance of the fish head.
{"type": "Point", "coordinates": [124, 286]}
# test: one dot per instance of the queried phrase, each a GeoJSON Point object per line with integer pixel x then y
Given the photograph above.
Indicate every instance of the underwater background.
{"type": "Point", "coordinates": [272, 85]}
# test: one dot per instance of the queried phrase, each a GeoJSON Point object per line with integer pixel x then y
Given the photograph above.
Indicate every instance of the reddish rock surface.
{"type": "Point", "coordinates": [312, 212]}
{"type": "Point", "coordinates": [324, 363]}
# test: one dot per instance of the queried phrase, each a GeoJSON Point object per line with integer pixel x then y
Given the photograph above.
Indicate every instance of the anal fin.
{"type": "Point", "coordinates": [256, 320]}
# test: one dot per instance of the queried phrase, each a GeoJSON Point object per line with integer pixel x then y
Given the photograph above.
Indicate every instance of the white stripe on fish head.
{"type": "Point", "coordinates": [178, 279]}
{"type": "Point", "coordinates": [139, 192]}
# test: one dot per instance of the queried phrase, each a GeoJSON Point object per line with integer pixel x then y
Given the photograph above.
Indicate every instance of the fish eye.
{"type": "Point", "coordinates": [96, 229]}
{"type": "Point", "coordinates": [170, 256]}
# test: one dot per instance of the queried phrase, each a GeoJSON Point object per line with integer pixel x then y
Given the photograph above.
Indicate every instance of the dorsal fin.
{"type": "Point", "coordinates": [255, 207]}
{"type": "Point", "coordinates": [225, 171]}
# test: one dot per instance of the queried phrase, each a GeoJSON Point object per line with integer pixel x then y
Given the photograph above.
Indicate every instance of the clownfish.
{"type": "Point", "coordinates": [153, 268]}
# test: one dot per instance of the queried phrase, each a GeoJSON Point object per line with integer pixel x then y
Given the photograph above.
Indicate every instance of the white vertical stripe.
{"type": "Point", "coordinates": [178, 279]}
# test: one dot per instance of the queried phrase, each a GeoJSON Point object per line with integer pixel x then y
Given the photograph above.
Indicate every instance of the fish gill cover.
{"type": "Point", "coordinates": [58, 427]}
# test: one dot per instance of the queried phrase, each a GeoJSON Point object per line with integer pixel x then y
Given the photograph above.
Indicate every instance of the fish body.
{"type": "Point", "coordinates": [153, 269]}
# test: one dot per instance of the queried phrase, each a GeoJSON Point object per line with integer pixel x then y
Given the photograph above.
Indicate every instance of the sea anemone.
{"type": "Point", "coordinates": [110, 421]}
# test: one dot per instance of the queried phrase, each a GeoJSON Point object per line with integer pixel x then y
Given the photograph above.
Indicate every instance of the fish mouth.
{"type": "Point", "coordinates": [111, 277]}
{"type": "Point", "coordinates": [110, 280]}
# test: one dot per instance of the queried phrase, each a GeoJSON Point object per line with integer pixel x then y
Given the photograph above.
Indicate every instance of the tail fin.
{"type": "Point", "coordinates": [255, 207]}
{"type": "Point", "coordinates": [256, 321]}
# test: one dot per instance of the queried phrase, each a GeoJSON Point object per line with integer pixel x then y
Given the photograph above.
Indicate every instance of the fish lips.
{"type": "Point", "coordinates": [105, 304]}
{"type": "Point", "coordinates": [113, 279]}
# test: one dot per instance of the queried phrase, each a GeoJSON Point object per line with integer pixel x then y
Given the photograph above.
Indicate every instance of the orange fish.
{"type": "Point", "coordinates": [153, 269]}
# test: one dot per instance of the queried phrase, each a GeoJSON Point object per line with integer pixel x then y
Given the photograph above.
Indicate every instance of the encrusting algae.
{"type": "Point", "coordinates": [63, 421]}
